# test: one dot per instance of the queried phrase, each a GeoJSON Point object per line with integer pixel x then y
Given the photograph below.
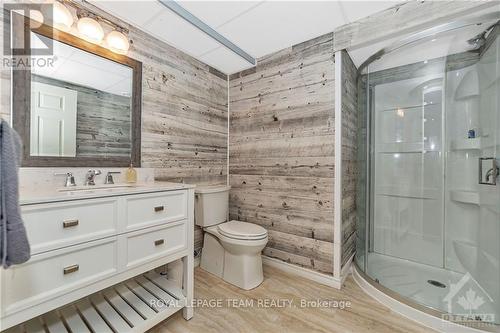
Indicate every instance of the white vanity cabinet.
{"type": "Point", "coordinates": [87, 249]}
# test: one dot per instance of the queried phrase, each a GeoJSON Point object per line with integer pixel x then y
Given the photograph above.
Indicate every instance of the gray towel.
{"type": "Point", "coordinates": [14, 245]}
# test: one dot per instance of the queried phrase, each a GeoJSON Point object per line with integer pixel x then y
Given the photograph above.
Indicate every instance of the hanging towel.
{"type": "Point", "coordinates": [14, 245]}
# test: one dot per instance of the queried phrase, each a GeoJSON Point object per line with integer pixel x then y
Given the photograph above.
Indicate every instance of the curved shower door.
{"type": "Point", "coordinates": [487, 248]}
{"type": "Point", "coordinates": [430, 146]}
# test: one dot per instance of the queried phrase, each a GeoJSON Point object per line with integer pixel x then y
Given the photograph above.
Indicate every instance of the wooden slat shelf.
{"type": "Point", "coordinates": [133, 306]}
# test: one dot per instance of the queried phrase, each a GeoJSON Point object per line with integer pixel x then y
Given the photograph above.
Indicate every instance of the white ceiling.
{"type": "Point", "coordinates": [82, 68]}
{"type": "Point", "coordinates": [257, 27]}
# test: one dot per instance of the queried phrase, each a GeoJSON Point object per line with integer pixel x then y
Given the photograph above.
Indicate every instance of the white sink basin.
{"type": "Point", "coordinates": [94, 188]}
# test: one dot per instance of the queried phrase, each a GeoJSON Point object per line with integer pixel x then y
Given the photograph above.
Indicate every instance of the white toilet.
{"type": "Point", "coordinates": [231, 250]}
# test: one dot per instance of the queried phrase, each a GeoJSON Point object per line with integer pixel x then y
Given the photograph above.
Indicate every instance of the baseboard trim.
{"type": "Point", "coordinates": [346, 269]}
{"type": "Point", "coordinates": [324, 279]}
{"type": "Point", "coordinates": [197, 261]}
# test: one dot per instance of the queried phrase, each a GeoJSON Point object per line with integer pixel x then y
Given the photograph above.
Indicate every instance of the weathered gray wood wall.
{"type": "Point", "coordinates": [5, 74]}
{"type": "Point", "coordinates": [282, 151]}
{"type": "Point", "coordinates": [103, 124]}
{"type": "Point", "coordinates": [349, 156]}
{"type": "Point", "coordinates": [282, 156]}
{"type": "Point", "coordinates": [184, 112]}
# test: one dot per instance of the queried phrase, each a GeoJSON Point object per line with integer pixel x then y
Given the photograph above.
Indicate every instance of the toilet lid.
{"type": "Point", "coordinates": [242, 230]}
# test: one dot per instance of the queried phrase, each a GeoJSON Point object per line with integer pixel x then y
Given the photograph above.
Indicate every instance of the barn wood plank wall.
{"type": "Point", "coordinates": [5, 73]}
{"type": "Point", "coordinates": [349, 156]}
{"type": "Point", "coordinates": [184, 114]}
{"type": "Point", "coordinates": [184, 111]}
{"type": "Point", "coordinates": [282, 147]}
{"type": "Point", "coordinates": [282, 151]}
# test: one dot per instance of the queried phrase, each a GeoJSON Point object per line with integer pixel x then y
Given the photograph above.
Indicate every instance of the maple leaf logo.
{"type": "Point", "coordinates": [470, 301]}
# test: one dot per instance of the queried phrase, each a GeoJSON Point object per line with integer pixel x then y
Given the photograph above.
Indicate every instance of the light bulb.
{"type": "Point", "coordinates": [37, 19]}
{"type": "Point", "coordinates": [117, 42]}
{"type": "Point", "coordinates": [62, 16]}
{"type": "Point", "coordinates": [90, 29]}
{"type": "Point", "coordinates": [35, 15]}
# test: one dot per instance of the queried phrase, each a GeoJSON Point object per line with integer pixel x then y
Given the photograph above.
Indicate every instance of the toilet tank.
{"type": "Point", "coordinates": [211, 205]}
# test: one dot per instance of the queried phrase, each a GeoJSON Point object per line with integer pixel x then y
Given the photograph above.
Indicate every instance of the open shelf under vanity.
{"type": "Point", "coordinates": [101, 272]}
{"type": "Point", "coordinates": [134, 305]}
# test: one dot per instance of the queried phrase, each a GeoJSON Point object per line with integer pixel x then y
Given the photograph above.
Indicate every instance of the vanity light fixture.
{"type": "Point", "coordinates": [117, 42]}
{"type": "Point", "coordinates": [63, 19]}
{"type": "Point", "coordinates": [90, 29]}
{"type": "Point", "coordinates": [36, 17]}
{"type": "Point", "coordinates": [89, 26]}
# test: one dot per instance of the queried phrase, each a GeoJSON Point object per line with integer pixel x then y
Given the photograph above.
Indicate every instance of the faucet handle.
{"type": "Point", "coordinates": [109, 177]}
{"type": "Point", "coordinates": [90, 178]}
{"type": "Point", "coordinates": [70, 179]}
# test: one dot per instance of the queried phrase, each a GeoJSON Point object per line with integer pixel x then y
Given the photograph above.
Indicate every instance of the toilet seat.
{"type": "Point", "coordinates": [242, 230]}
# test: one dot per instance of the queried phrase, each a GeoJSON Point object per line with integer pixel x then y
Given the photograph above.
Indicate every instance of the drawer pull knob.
{"type": "Point", "coordinates": [71, 269]}
{"type": "Point", "coordinates": [70, 223]}
{"type": "Point", "coordinates": [159, 242]}
{"type": "Point", "coordinates": [159, 209]}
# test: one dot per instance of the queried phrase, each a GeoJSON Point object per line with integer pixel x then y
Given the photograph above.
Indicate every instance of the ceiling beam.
{"type": "Point", "coordinates": [186, 15]}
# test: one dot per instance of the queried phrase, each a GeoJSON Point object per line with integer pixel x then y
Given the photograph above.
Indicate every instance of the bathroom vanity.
{"type": "Point", "coordinates": [94, 255]}
{"type": "Point", "coordinates": [99, 249]}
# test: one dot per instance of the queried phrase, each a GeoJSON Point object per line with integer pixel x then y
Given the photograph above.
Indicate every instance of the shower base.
{"type": "Point", "coordinates": [406, 288]}
{"type": "Point", "coordinates": [410, 279]}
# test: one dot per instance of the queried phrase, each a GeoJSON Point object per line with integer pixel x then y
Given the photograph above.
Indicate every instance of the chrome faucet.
{"type": "Point", "coordinates": [109, 177]}
{"type": "Point", "coordinates": [70, 179]}
{"type": "Point", "coordinates": [90, 177]}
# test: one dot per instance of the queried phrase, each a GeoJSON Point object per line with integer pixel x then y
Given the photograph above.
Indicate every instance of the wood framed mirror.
{"type": "Point", "coordinates": [83, 110]}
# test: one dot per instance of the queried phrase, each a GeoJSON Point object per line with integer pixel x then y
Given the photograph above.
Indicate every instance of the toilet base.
{"type": "Point", "coordinates": [244, 271]}
{"type": "Point", "coordinates": [241, 270]}
{"type": "Point", "coordinates": [212, 255]}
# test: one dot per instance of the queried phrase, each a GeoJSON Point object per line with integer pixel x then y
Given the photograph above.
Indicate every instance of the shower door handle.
{"type": "Point", "coordinates": [488, 171]}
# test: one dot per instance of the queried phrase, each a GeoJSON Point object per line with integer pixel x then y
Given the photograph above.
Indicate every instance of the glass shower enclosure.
{"type": "Point", "coordinates": [429, 195]}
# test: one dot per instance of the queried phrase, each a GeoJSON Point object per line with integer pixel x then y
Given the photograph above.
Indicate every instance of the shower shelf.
{"type": "Point", "coordinates": [466, 144]}
{"type": "Point", "coordinates": [416, 107]}
{"type": "Point", "coordinates": [400, 147]}
{"type": "Point", "coordinates": [470, 197]}
{"type": "Point", "coordinates": [395, 191]}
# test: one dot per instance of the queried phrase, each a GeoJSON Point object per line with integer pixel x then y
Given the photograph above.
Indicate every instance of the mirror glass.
{"type": "Point", "coordinates": [80, 106]}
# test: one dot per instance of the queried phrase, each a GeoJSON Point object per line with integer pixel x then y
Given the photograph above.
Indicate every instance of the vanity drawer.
{"type": "Point", "coordinates": [58, 272]}
{"type": "Point", "coordinates": [52, 226]}
{"type": "Point", "coordinates": [155, 208]}
{"type": "Point", "coordinates": [153, 243]}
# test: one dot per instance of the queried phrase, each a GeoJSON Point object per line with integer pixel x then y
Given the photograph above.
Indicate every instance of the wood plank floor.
{"type": "Point", "coordinates": [364, 315]}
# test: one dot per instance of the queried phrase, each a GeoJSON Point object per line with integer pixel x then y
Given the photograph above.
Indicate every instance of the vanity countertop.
{"type": "Point", "coordinates": [39, 196]}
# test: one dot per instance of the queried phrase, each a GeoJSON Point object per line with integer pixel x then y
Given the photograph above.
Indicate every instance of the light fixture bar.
{"type": "Point", "coordinates": [186, 15]}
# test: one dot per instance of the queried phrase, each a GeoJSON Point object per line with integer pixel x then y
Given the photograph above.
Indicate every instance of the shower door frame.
{"type": "Point", "coordinates": [369, 191]}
